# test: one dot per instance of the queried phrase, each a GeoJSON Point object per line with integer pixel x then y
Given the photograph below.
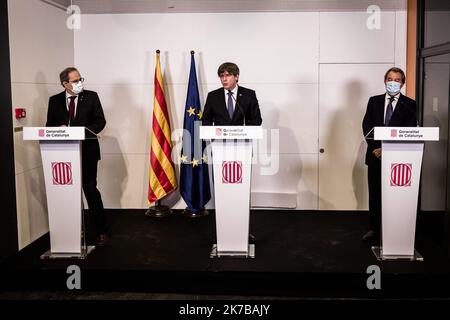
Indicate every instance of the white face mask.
{"type": "Point", "coordinates": [393, 87]}
{"type": "Point", "coordinates": [77, 88]}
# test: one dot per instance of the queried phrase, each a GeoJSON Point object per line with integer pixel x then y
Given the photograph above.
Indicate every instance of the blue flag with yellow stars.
{"type": "Point", "coordinates": [194, 176]}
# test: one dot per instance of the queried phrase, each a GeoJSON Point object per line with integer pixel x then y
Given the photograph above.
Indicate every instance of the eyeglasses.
{"type": "Point", "coordinates": [78, 80]}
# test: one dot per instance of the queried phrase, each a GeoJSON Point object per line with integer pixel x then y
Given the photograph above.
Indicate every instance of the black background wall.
{"type": "Point", "coordinates": [8, 215]}
{"type": "Point", "coordinates": [430, 48]}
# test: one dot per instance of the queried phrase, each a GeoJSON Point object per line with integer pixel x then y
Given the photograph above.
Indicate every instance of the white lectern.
{"type": "Point", "coordinates": [232, 164]}
{"type": "Point", "coordinates": [61, 161]}
{"type": "Point", "coordinates": [401, 163]}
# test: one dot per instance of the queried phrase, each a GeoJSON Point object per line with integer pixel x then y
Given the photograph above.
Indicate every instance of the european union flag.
{"type": "Point", "coordinates": [194, 176]}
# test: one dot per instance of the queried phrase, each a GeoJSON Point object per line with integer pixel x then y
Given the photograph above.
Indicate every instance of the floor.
{"type": "Point", "coordinates": [299, 255]}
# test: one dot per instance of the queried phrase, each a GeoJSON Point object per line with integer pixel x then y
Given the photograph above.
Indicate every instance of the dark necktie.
{"type": "Point", "coordinates": [230, 104]}
{"type": "Point", "coordinates": [72, 107]}
{"type": "Point", "coordinates": [389, 112]}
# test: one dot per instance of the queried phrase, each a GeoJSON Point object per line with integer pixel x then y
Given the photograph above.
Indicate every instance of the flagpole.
{"type": "Point", "coordinates": [188, 212]}
{"type": "Point", "coordinates": [160, 162]}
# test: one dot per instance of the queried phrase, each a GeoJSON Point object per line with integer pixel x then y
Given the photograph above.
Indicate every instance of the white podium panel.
{"type": "Point", "coordinates": [54, 133]}
{"type": "Point", "coordinates": [232, 175]}
{"type": "Point", "coordinates": [400, 178]}
{"type": "Point", "coordinates": [232, 164]}
{"type": "Point", "coordinates": [401, 163]}
{"type": "Point", "coordinates": [231, 132]}
{"type": "Point", "coordinates": [402, 134]}
{"type": "Point", "coordinates": [62, 174]}
{"type": "Point", "coordinates": [61, 162]}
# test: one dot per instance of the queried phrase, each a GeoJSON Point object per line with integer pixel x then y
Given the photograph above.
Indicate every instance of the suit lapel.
{"type": "Point", "coordinates": [63, 105]}
{"type": "Point", "coordinates": [238, 100]}
{"type": "Point", "coordinates": [380, 110]}
{"type": "Point", "coordinates": [79, 107]}
{"type": "Point", "coordinates": [397, 109]}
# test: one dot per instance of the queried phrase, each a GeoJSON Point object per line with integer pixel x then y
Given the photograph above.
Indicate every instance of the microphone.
{"type": "Point", "coordinates": [91, 131]}
{"type": "Point", "coordinates": [238, 105]}
{"type": "Point", "coordinates": [408, 108]}
{"type": "Point", "coordinates": [365, 137]}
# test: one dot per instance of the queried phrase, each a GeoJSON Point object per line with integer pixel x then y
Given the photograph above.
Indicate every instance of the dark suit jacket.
{"type": "Point", "coordinates": [89, 113]}
{"type": "Point", "coordinates": [404, 116]}
{"type": "Point", "coordinates": [216, 113]}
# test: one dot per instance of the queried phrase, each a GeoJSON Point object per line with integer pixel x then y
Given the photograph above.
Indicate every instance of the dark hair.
{"type": "Point", "coordinates": [64, 75]}
{"type": "Point", "coordinates": [396, 70]}
{"type": "Point", "coordinates": [230, 67]}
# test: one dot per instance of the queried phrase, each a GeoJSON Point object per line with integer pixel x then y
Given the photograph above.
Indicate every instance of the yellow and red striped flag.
{"type": "Point", "coordinates": [162, 178]}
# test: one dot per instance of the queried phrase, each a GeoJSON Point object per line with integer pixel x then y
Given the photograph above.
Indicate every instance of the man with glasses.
{"type": "Point", "coordinates": [78, 107]}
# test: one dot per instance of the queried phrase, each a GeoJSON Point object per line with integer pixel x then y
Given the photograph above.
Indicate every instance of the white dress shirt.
{"type": "Point", "coordinates": [386, 102]}
{"type": "Point", "coordinates": [68, 101]}
{"type": "Point", "coordinates": [234, 91]}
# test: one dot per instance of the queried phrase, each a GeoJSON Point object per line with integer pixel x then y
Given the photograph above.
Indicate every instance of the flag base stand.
{"type": "Point", "coordinates": [158, 211]}
{"type": "Point", "coordinates": [378, 252]}
{"type": "Point", "coordinates": [191, 214]}
{"type": "Point", "coordinates": [82, 255]}
{"type": "Point", "coordinates": [250, 253]}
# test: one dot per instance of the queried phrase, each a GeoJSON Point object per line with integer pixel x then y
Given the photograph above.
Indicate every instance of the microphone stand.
{"type": "Point", "coordinates": [365, 137]}
{"type": "Point", "coordinates": [238, 106]}
{"type": "Point", "coordinates": [251, 237]}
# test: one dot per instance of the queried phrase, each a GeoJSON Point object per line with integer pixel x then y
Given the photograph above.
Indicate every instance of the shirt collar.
{"type": "Point", "coordinates": [396, 97]}
{"type": "Point", "coordinates": [235, 90]}
{"type": "Point", "coordinates": [68, 95]}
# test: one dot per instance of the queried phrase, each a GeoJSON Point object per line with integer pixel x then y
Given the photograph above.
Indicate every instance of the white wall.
{"type": "Point", "coordinates": [353, 61]}
{"type": "Point", "coordinates": [313, 73]}
{"type": "Point", "coordinates": [40, 47]}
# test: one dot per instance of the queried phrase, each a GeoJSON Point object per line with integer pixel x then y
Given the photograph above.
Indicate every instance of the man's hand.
{"type": "Point", "coordinates": [377, 153]}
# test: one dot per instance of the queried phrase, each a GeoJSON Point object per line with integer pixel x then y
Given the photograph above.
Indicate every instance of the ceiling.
{"type": "Point", "coordinates": [168, 6]}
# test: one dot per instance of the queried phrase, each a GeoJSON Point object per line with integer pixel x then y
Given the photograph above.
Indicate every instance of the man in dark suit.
{"type": "Point", "coordinates": [390, 109]}
{"type": "Point", "coordinates": [78, 107]}
{"type": "Point", "coordinates": [231, 105]}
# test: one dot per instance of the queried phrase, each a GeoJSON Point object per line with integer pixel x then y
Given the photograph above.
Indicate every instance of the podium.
{"type": "Point", "coordinates": [401, 163]}
{"type": "Point", "coordinates": [232, 164]}
{"type": "Point", "coordinates": [61, 161]}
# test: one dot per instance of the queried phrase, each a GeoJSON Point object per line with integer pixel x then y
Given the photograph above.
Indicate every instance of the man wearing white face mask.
{"type": "Point", "coordinates": [78, 107]}
{"type": "Point", "coordinates": [391, 109]}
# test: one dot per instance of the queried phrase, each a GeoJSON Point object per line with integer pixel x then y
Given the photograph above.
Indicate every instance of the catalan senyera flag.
{"type": "Point", "coordinates": [162, 178]}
